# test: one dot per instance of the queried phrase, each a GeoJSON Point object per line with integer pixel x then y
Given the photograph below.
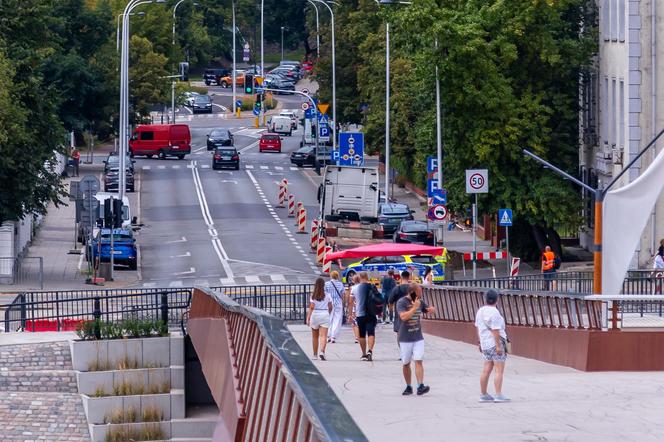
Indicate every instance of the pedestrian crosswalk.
{"type": "Point", "coordinates": [252, 167]}
{"type": "Point", "coordinates": [247, 280]}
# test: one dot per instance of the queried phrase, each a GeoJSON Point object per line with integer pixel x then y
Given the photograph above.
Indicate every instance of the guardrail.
{"type": "Point", "coordinates": [519, 308]}
{"type": "Point", "coordinates": [281, 394]}
{"type": "Point", "coordinates": [28, 270]}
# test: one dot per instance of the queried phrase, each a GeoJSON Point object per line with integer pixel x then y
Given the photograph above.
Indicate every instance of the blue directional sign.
{"type": "Point", "coordinates": [432, 164]}
{"type": "Point", "coordinates": [505, 217]}
{"type": "Point", "coordinates": [334, 156]}
{"type": "Point", "coordinates": [324, 132]}
{"type": "Point", "coordinates": [322, 119]}
{"type": "Point", "coordinates": [309, 114]}
{"type": "Point", "coordinates": [257, 111]}
{"type": "Point", "coordinates": [238, 103]}
{"type": "Point", "coordinates": [432, 187]}
{"type": "Point", "coordinates": [351, 149]}
{"type": "Point", "coordinates": [439, 196]}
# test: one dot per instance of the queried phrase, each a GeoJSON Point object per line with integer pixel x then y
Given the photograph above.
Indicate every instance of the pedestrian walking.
{"type": "Point", "coordinates": [387, 284]}
{"type": "Point", "coordinates": [318, 317]}
{"type": "Point", "coordinates": [335, 290]}
{"type": "Point", "coordinates": [493, 345]}
{"type": "Point", "coordinates": [351, 302]}
{"type": "Point", "coordinates": [427, 278]}
{"type": "Point", "coordinates": [411, 340]}
{"type": "Point", "coordinates": [76, 158]}
{"type": "Point", "coordinates": [658, 271]}
{"type": "Point", "coordinates": [397, 293]}
{"type": "Point", "coordinates": [549, 269]}
{"type": "Point", "coordinates": [365, 317]}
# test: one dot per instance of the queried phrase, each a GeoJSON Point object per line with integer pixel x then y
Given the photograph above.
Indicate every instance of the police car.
{"type": "Point", "coordinates": [415, 264]}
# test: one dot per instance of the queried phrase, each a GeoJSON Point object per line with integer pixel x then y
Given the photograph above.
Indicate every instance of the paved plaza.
{"type": "Point", "coordinates": [549, 402]}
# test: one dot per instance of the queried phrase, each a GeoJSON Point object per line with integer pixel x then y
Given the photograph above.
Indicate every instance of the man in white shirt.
{"type": "Point", "coordinates": [493, 346]}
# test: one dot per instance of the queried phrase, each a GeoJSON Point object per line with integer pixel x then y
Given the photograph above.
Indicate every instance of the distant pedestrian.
{"type": "Point", "coordinates": [366, 319]}
{"type": "Point", "coordinates": [411, 340]}
{"type": "Point", "coordinates": [427, 278]}
{"type": "Point", "coordinates": [351, 302]}
{"type": "Point", "coordinates": [76, 158]}
{"type": "Point", "coordinates": [388, 284]}
{"type": "Point", "coordinates": [493, 346]}
{"type": "Point", "coordinates": [397, 293]}
{"type": "Point", "coordinates": [335, 290]}
{"type": "Point", "coordinates": [549, 269]}
{"type": "Point", "coordinates": [318, 317]}
{"type": "Point", "coordinates": [658, 271]}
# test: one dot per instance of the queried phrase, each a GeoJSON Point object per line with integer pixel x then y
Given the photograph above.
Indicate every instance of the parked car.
{"type": "Point", "coordinates": [162, 140]}
{"type": "Point", "coordinates": [202, 103]}
{"type": "Point", "coordinates": [218, 138]}
{"type": "Point", "coordinates": [292, 116]}
{"type": "Point", "coordinates": [112, 180]}
{"type": "Point", "coordinates": [414, 232]}
{"type": "Point", "coordinates": [124, 247]}
{"type": "Point", "coordinates": [304, 156]}
{"type": "Point", "coordinates": [214, 76]}
{"type": "Point", "coordinates": [189, 98]}
{"type": "Point", "coordinates": [376, 266]}
{"type": "Point", "coordinates": [269, 141]}
{"type": "Point", "coordinates": [289, 71]}
{"type": "Point", "coordinates": [390, 216]}
{"type": "Point", "coordinates": [226, 157]}
{"type": "Point", "coordinates": [112, 161]}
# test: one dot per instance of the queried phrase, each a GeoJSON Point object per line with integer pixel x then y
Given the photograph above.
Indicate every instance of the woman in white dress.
{"type": "Point", "coordinates": [335, 290]}
{"type": "Point", "coordinates": [318, 317]}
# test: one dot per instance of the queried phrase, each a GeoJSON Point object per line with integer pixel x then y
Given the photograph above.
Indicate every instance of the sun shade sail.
{"type": "Point", "coordinates": [385, 249]}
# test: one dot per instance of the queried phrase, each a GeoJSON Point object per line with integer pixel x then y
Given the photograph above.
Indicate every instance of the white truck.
{"type": "Point", "coordinates": [350, 193]}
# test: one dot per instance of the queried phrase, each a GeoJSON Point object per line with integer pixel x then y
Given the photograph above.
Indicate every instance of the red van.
{"type": "Point", "coordinates": [162, 140]}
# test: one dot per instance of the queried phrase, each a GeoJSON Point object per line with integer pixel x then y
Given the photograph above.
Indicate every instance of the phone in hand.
{"type": "Point", "coordinates": [413, 296]}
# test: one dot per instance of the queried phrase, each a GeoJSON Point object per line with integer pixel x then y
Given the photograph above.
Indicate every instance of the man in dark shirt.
{"type": "Point", "coordinates": [387, 285]}
{"type": "Point", "coordinates": [411, 340]}
{"type": "Point", "coordinates": [399, 292]}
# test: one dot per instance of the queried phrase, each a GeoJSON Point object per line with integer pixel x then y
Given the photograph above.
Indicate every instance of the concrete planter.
{"type": "Point", "coordinates": [90, 381]}
{"type": "Point", "coordinates": [97, 409]}
{"type": "Point", "coordinates": [98, 432]}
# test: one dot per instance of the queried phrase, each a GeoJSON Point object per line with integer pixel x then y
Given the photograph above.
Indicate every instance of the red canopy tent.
{"type": "Point", "coordinates": [385, 249]}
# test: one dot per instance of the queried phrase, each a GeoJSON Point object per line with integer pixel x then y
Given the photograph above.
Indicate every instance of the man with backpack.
{"type": "Point", "coordinates": [368, 305]}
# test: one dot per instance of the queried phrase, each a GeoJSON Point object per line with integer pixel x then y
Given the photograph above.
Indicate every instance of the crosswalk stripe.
{"type": "Point", "coordinates": [249, 166]}
{"type": "Point", "coordinates": [177, 283]}
{"type": "Point", "coordinates": [264, 167]}
{"type": "Point", "coordinates": [278, 168]}
{"type": "Point", "coordinates": [205, 166]}
{"type": "Point", "coordinates": [254, 279]}
{"type": "Point", "coordinates": [147, 167]}
{"type": "Point", "coordinates": [176, 167]}
{"type": "Point", "coordinates": [294, 168]}
{"type": "Point", "coordinates": [149, 284]}
{"type": "Point", "coordinates": [161, 167]}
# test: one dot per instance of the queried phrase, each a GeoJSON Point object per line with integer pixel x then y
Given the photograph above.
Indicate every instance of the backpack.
{"type": "Point", "coordinates": [557, 262]}
{"type": "Point", "coordinates": [373, 304]}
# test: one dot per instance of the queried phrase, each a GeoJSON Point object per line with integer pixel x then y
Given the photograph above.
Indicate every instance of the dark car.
{"type": "Point", "coordinates": [215, 75]}
{"type": "Point", "coordinates": [304, 156]}
{"type": "Point", "coordinates": [218, 138]}
{"type": "Point", "coordinates": [390, 216]}
{"type": "Point", "coordinates": [113, 162]}
{"type": "Point", "coordinates": [414, 232]}
{"type": "Point", "coordinates": [124, 247]}
{"type": "Point", "coordinates": [202, 103]}
{"type": "Point", "coordinates": [112, 180]}
{"type": "Point", "coordinates": [226, 157]}
{"type": "Point", "coordinates": [282, 85]}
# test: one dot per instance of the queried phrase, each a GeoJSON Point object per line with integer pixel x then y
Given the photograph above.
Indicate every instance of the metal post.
{"type": "Point", "coordinates": [262, 110]}
{"type": "Point", "coordinates": [439, 146]}
{"type": "Point", "coordinates": [597, 253]}
{"type": "Point", "coordinates": [387, 112]}
{"type": "Point", "coordinates": [112, 239]}
{"type": "Point", "coordinates": [317, 29]}
{"type": "Point", "coordinates": [334, 78]}
{"type": "Point", "coordinates": [475, 238]}
{"type": "Point", "coordinates": [234, 55]}
{"type": "Point", "coordinates": [507, 249]}
{"type": "Point", "coordinates": [96, 313]}
{"type": "Point", "coordinates": [41, 273]}
{"type": "Point", "coordinates": [282, 43]}
{"type": "Point", "coordinates": [164, 307]}
{"type": "Point", "coordinates": [173, 100]}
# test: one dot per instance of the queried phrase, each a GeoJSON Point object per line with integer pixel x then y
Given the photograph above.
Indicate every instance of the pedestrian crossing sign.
{"type": "Point", "coordinates": [505, 217]}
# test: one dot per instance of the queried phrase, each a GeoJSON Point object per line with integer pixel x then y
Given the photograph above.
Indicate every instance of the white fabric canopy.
{"type": "Point", "coordinates": [625, 215]}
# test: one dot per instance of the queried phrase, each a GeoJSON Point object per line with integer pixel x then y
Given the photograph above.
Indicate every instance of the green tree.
{"type": "Point", "coordinates": [147, 72]}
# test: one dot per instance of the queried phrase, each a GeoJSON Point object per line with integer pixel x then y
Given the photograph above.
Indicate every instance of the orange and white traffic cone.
{"type": "Point", "coordinates": [320, 249]}
{"type": "Point", "coordinates": [291, 206]}
{"type": "Point", "coordinates": [302, 221]}
{"type": "Point", "coordinates": [300, 206]}
{"type": "Point", "coordinates": [327, 265]}
{"type": "Point", "coordinates": [314, 235]}
{"type": "Point", "coordinates": [283, 191]}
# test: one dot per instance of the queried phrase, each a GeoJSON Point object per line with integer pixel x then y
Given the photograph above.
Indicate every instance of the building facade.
{"type": "Point", "coordinates": [622, 103]}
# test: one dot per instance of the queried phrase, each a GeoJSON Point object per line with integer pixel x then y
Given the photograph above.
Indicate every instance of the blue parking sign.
{"type": "Point", "coordinates": [432, 164]}
{"type": "Point", "coordinates": [351, 149]}
{"type": "Point", "coordinates": [432, 187]}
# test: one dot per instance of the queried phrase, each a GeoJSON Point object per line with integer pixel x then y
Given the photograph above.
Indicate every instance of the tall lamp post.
{"type": "Point", "coordinates": [234, 55]}
{"type": "Point", "coordinates": [175, 8]}
{"type": "Point", "coordinates": [317, 29]}
{"type": "Point", "coordinates": [117, 30]}
{"type": "Point", "coordinates": [387, 96]}
{"type": "Point", "coordinates": [334, 79]}
{"type": "Point", "coordinates": [282, 42]}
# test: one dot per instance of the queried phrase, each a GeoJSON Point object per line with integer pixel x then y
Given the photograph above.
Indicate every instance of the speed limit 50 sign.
{"type": "Point", "coordinates": [477, 181]}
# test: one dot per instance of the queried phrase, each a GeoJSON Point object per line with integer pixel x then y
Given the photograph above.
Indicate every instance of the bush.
{"type": "Point", "coordinates": [128, 328]}
{"type": "Point", "coordinates": [270, 103]}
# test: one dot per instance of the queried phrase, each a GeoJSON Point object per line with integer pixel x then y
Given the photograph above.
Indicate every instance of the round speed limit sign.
{"type": "Point", "coordinates": [305, 106]}
{"type": "Point", "coordinates": [477, 181]}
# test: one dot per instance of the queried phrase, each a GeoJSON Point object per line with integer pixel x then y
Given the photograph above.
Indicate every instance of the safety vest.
{"type": "Point", "coordinates": [548, 260]}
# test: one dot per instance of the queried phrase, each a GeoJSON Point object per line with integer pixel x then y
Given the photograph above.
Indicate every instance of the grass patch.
{"type": "Point", "coordinates": [120, 416]}
{"type": "Point", "coordinates": [152, 414]}
{"type": "Point", "coordinates": [124, 434]}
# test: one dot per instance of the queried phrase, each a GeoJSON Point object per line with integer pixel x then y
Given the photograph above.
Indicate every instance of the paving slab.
{"type": "Point", "coordinates": [549, 402]}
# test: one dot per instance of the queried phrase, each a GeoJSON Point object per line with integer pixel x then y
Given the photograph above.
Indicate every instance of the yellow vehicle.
{"type": "Point", "coordinates": [415, 264]}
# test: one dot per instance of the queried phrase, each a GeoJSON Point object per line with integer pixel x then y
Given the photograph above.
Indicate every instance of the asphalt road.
{"type": "Point", "coordinates": [208, 227]}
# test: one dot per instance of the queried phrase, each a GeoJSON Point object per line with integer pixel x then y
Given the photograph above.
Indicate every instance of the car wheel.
{"type": "Point", "coordinates": [180, 156]}
{"type": "Point", "coordinates": [290, 133]}
{"type": "Point", "coordinates": [149, 156]}
{"type": "Point", "coordinates": [207, 83]}
{"type": "Point", "coordinates": [133, 265]}
{"type": "Point", "coordinates": [299, 164]}
{"type": "Point", "coordinates": [132, 189]}
{"type": "Point", "coordinates": [214, 166]}
{"type": "Point", "coordinates": [237, 167]}
{"type": "Point", "coordinates": [162, 154]}
{"type": "Point", "coordinates": [350, 275]}
{"type": "Point", "coordinates": [224, 84]}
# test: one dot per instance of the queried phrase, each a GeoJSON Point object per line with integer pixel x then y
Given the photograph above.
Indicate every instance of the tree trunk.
{"type": "Point", "coordinates": [307, 47]}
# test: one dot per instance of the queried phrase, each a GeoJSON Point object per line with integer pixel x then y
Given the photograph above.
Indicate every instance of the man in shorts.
{"type": "Point", "coordinates": [399, 292]}
{"type": "Point", "coordinates": [366, 323]}
{"type": "Point", "coordinates": [411, 340]}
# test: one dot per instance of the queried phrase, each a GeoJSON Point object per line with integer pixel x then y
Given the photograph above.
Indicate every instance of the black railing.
{"type": "Point", "coordinates": [64, 310]}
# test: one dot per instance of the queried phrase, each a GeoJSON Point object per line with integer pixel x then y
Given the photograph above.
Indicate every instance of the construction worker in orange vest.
{"type": "Point", "coordinates": [549, 268]}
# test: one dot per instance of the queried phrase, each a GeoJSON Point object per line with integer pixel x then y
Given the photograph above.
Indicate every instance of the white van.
{"type": "Point", "coordinates": [349, 192]}
{"type": "Point", "coordinates": [281, 125]}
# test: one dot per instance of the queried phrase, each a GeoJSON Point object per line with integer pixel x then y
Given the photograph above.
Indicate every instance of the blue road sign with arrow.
{"type": "Point", "coordinates": [238, 103]}
{"type": "Point", "coordinates": [257, 111]}
{"type": "Point", "coordinates": [351, 149]}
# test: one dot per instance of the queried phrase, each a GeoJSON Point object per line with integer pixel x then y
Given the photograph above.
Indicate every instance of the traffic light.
{"type": "Point", "coordinates": [248, 83]}
{"type": "Point", "coordinates": [117, 213]}
{"type": "Point", "coordinates": [108, 216]}
{"type": "Point", "coordinates": [259, 100]}
{"type": "Point", "coordinates": [184, 71]}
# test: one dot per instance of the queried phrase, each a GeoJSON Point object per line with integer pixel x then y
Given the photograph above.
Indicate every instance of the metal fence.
{"type": "Point", "coordinates": [288, 302]}
{"type": "Point", "coordinates": [27, 271]}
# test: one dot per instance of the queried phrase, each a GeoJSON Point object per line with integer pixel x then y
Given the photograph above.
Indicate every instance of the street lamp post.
{"type": "Point", "coordinates": [175, 8]}
{"type": "Point", "coordinates": [282, 43]}
{"type": "Point", "coordinates": [262, 112]}
{"type": "Point", "coordinates": [234, 55]}
{"type": "Point", "coordinates": [334, 80]}
{"type": "Point", "coordinates": [317, 29]}
{"type": "Point", "coordinates": [439, 144]}
{"type": "Point", "coordinates": [117, 29]}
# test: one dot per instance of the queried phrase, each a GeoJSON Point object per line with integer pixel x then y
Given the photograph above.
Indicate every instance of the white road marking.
{"type": "Point", "coordinates": [253, 279]}
{"type": "Point", "coordinates": [175, 284]}
{"type": "Point", "coordinates": [205, 166]}
{"type": "Point", "coordinates": [183, 239]}
{"type": "Point", "coordinates": [228, 181]}
{"type": "Point", "coordinates": [147, 167]}
{"type": "Point", "coordinates": [181, 256]}
{"type": "Point", "coordinates": [199, 149]}
{"type": "Point", "coordinates": [188, 272]}
{"type": "Point", "coordinates": [251, 146]}
{"type": "Point", "coordinates": [294, 169]}
{"type": "Point", "coordinates": [161, 167]}
{"type": "Point", "coordinates": [149, 284]}
{"type": "Point", "coordinates": [278, 168]}
{"type": "Point", "coordinates": [249, 166]}
{"type": "Point", "coordinates": [177, 166]}
{"type": "Point", "coordinates": [264, 167]}
{"type": "Point", "coordinates": [80, 261]}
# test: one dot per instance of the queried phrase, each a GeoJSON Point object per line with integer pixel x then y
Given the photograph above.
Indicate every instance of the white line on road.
{"type": "Point", "coordinates": [264, 167]}
{"type": "Point", "coordinates": [199, 149]}
{"type": "Point", "coordinates": [183, 239]}
{"type": "Point", "coordinates": [228, 181]}
{"type": "Point", "coordinates": [175, 284]}
{"type": "Point", "coordinates": [251, 146]}
{"type": "Point", "coordinates": [294, 168]}
{"type": "Point", "coordinates": [147, 167]}
{"type": "Point", "coordinates": [177, 166]}
{"type": "Point", "coordinates": [161, 167]}
{"type": "Point", "coordinates": [278, 168]}
{"type": "Point", "coordinates": [188, 272]}
{"type": "Point", "coordinates": [181, 256]}
{"type": "Point", "coordinates": [253, 279]}
{"type": "Point", "coordinates": [249, 166]}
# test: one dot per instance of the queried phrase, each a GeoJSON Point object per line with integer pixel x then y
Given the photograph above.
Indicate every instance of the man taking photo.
{"type": "Point", "coordinates": [410, 337]}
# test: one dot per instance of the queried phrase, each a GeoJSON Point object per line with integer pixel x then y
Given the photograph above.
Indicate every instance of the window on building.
{"type": "Point", "coordinates": [621, 20]}
{"type": "Point", "coordinates": [605, 20]}
{"type": "Point", "coordinates": [614, 20]}
{"type": "Point", "coordinates": [604, 115]}
{"type": "Point", "coordinates": [614, 111]}
{"type": "Point", "coordinates": [621, 115]}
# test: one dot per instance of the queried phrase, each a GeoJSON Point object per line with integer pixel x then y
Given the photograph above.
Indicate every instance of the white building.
{"type": "Point", "coordinates": [623, 106]}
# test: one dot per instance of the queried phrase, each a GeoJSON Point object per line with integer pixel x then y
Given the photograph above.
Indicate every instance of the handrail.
{"type": "Point", "coordinates": [317, 400]}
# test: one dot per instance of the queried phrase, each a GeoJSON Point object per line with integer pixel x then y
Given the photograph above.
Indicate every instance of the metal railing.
{"type": "Point", "coordinates": [521, 308]}
{"type": "Point", "coordinates": [288, 301]}
{"type": "Point", "coordinates": [27, 271]}
{"type": "Point", "coordinates": [282, 394]}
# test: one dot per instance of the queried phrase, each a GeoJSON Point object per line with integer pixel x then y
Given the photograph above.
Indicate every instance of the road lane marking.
{"type": "Point", "coordinates": [188, 272]}
{"type": "Point", "coordinates": [264, 167]}
{"type": "Point", "coordinates": [181, 256]}
{"type": "Point", "coordinates": [278, 168]}
{"type": "Point", "coordinates": [205, 166]}
{"type": "Point", "coordinates": [228, 181]}
{"type": "Point", "coordinates": [161, 167]}
{"type": "Point", "coordinates": [199, 149]}
{"type": "Point", "coordinates": [147, 167]}
{"type": "Point", "coordinates": [251, 146]}
{"type": "Point", "coordinates": [207, 217]}
{"type": "Point", "coordinates": [254, 279]}
{"type": "Point", "coordinates": [294, 169]}
{"type": "Point", "coordinates": [175, 284]}
{"type": "Point", "coordinates": [176, 166]}
{"type": "Point", "coordinates": [183, 239]}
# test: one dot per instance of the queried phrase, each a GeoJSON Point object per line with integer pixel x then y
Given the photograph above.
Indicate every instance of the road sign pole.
{"type": "Point", "coordinates": [112, 242]}
{"type": "Point", "coordinates": [475, 238]}
{"type": "Point", "coordinates": [507, 248]}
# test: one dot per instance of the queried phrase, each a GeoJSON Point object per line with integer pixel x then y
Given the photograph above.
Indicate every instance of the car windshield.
{"type": "Point", "coordinates": [394, 209]}
{"type": "Point", "coordinates": [271, 137]}
{"type": "Point", "coordinates": [423, 259]}
{"type": "Point", "coordinates": [414, 227]}
{"type": "Point", "coordinates": [203, 99]}
{"type": "Point", "coordinates": [226, 152]}
{"type": "Point", "coordinates": [116, 236]}
{"type": "Point", "coordinates": [219, 134]}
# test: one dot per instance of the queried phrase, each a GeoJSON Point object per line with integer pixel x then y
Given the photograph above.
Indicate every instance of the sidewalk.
{"type": "Point", "coordinates": [549, 402]}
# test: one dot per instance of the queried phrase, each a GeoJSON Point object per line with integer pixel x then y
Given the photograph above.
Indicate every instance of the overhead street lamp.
{"type": "Point", "coordinates": [117, 30]}
{"type": "Point", "coordinates": [175, 8]}
{"type": "Point", "coordinates": [124, 93]}
{"type": "Point", "coordinates": [282, 42]}
{"type": "Point", "coordinates": [387, 96]}
{"type": "Point", "coordinates": [317, 29]}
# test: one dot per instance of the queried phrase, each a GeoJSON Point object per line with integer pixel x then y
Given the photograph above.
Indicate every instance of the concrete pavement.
{"type": "Point", "coordinates": [549, 402]}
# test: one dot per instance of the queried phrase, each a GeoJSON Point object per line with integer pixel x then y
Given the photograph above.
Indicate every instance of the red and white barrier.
{"type": "Point", "coordinates": [514, 269]}
{"type": "Point", "coordinates": [300, 206]}
{"type": "Point", "coordinates": [302, 221]}
{"type": "Point", "coordinates": [314, 235]}
{"type": "Point", "coordinates": [283, 191]}
{"type": "Point", "coordinates": [327, 265]}
{"type": "Point", "coordinates": [291, 206]}
{"type": "Point", "coordinates": [320, 249]}
{"type": "Point", "coordinates": [485, 256]}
